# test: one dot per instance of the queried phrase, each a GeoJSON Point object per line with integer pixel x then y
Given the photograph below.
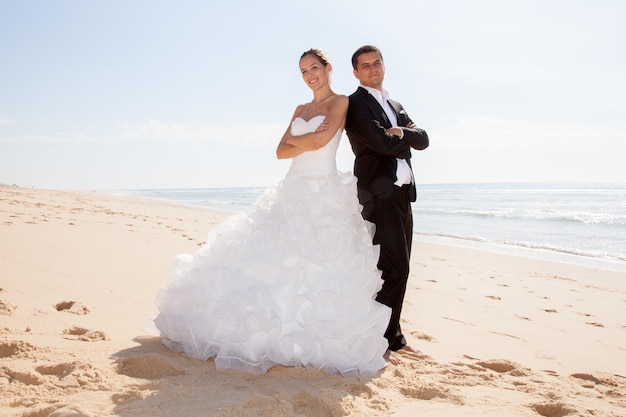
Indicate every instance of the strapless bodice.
{"type": "Point", "coordinates": [320, 161]}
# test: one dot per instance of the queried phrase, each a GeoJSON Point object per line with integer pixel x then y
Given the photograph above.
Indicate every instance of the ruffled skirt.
{"type": "Point", "coordinates": [290, 282]}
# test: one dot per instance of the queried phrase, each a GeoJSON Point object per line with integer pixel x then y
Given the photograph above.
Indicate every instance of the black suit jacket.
{"type": "Point", "coordinates": [376, 151]}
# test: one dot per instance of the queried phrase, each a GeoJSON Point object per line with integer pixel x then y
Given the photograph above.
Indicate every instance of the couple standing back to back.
{"type": "Point", "coordinates": [315, 273]}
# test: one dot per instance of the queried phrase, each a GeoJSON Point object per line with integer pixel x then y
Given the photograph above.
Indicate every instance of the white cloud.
{"type": "Point", "coordinates": [154, 130]}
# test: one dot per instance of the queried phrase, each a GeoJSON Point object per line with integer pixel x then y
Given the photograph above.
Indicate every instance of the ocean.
{"type": "Point", "coordinates": [578, 223]}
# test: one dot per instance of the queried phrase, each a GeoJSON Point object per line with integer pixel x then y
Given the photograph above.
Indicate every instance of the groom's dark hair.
{"type": "Point", "coordinates": [364, 50]}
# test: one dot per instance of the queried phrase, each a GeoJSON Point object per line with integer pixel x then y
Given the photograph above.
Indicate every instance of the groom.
{"type": "Point", "coordinates": [381, 135]}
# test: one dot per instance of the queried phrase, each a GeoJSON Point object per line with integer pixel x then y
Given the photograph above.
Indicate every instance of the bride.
{"type": "Point", "coordinates": [291, 281]}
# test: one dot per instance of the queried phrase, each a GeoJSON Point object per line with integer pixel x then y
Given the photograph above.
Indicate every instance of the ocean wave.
{"type": "Point", "coordinates": [587, 221]}
{"type": "Point", "coordinates": [592, 254]}
{"type": "Point", "coordinates": [610, 219]}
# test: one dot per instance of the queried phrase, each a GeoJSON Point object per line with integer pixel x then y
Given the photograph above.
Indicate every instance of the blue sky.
{"type": "Point", "coordinates": [153, 94]}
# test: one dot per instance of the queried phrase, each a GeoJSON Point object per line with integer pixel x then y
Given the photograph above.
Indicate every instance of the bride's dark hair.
{"type": "Point", "coordinates": [321, 56]}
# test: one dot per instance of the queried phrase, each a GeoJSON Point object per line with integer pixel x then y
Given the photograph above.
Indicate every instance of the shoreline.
{"type": "Point", "coordinates": [524, 252]}
{"type": "Point", "coordinates": [548, 254]}
{"type": "Point", "coordinates": [495, 331]}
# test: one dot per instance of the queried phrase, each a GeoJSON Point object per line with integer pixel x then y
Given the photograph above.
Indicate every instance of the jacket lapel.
{"type": "Point", "coordinates": [376, 107]}
{"type": "Point", "coordinates": [401, 116]}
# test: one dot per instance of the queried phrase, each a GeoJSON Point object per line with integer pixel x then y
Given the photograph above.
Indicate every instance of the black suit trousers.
{"type": "Point", "coordinates": [392, 215]}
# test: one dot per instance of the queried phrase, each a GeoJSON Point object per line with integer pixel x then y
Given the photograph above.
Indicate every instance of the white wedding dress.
{"type": "Point", "coordinates": [290, 282]}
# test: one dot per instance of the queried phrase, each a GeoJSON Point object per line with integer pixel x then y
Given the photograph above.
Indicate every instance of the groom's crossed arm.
{"type": "Point", "coordinates": [417, 138]}
{"type": "Point", "coordinates": [363, 124]}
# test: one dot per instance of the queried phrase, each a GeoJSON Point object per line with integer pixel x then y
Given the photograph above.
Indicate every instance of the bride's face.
{"type": "Point", "coordinates": [314, 73]}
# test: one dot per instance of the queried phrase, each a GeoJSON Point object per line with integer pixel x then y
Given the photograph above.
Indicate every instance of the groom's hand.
{"type": "Point", "coordinates": [396, 131]}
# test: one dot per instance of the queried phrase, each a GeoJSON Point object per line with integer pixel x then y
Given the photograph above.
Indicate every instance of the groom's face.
{"type": "Point", "coordinates": [370, 70]}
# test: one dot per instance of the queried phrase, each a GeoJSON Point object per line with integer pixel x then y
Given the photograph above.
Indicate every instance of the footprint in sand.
{"type": "Point", "coordinates": [71, 375]}
{"type": "Point", "coordinates": [427, 390]}
{"type": "Point", "coordinates": [372, 394]}
{"type": "Point", "coordinates": [591, 381]}
{"type": "Point", "coordinates": [303, 403]}
{"type": "Point", "coordinates": [147, 367]}
{"type": "Point", "coordinates": [72, 307]}
{"type": "Point", "coordinates": [306, 403]}
{"type": "Point", "coordinates": [552, 409]}
{"type": "Point", "coordinates": [132, 393]}
{"type": "Point", "coordinates": [16, 349]}
{"type": "Point", "coordinates": [61, 375]}
{"type": "Point", "coordinates": [71, 411]}
{"type": "Point", "coordinates": [457, 320]}
{"type": "Point", "coordinates": [6, 308]}
{"type": "Point", "coordinates": [62, 410]}
{"type": "Point", "coordinates": [503, 366]}
{"type": "Point", "coordinates": [85, 335]}
{"type": "Point", "coordinates": [60, 370]}
{"type": "Point", "coordinates": [423, 336]}
{"type": "Point", "coordinates": [21, 376]}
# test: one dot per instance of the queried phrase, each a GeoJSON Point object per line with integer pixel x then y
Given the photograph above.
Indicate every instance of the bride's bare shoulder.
{"type": "Point", "coordinates": [340, 101]}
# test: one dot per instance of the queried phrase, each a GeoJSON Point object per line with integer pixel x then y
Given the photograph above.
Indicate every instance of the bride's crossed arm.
{"type": "Point", "coordinates": [335, 119]}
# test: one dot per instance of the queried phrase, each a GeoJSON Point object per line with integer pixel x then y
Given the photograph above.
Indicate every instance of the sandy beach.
{"type": "Point", "coordinates": [498, 335]}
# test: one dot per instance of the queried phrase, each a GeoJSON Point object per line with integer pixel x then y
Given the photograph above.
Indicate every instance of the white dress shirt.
{"type": "Point", "coordinates": [403, 171]}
